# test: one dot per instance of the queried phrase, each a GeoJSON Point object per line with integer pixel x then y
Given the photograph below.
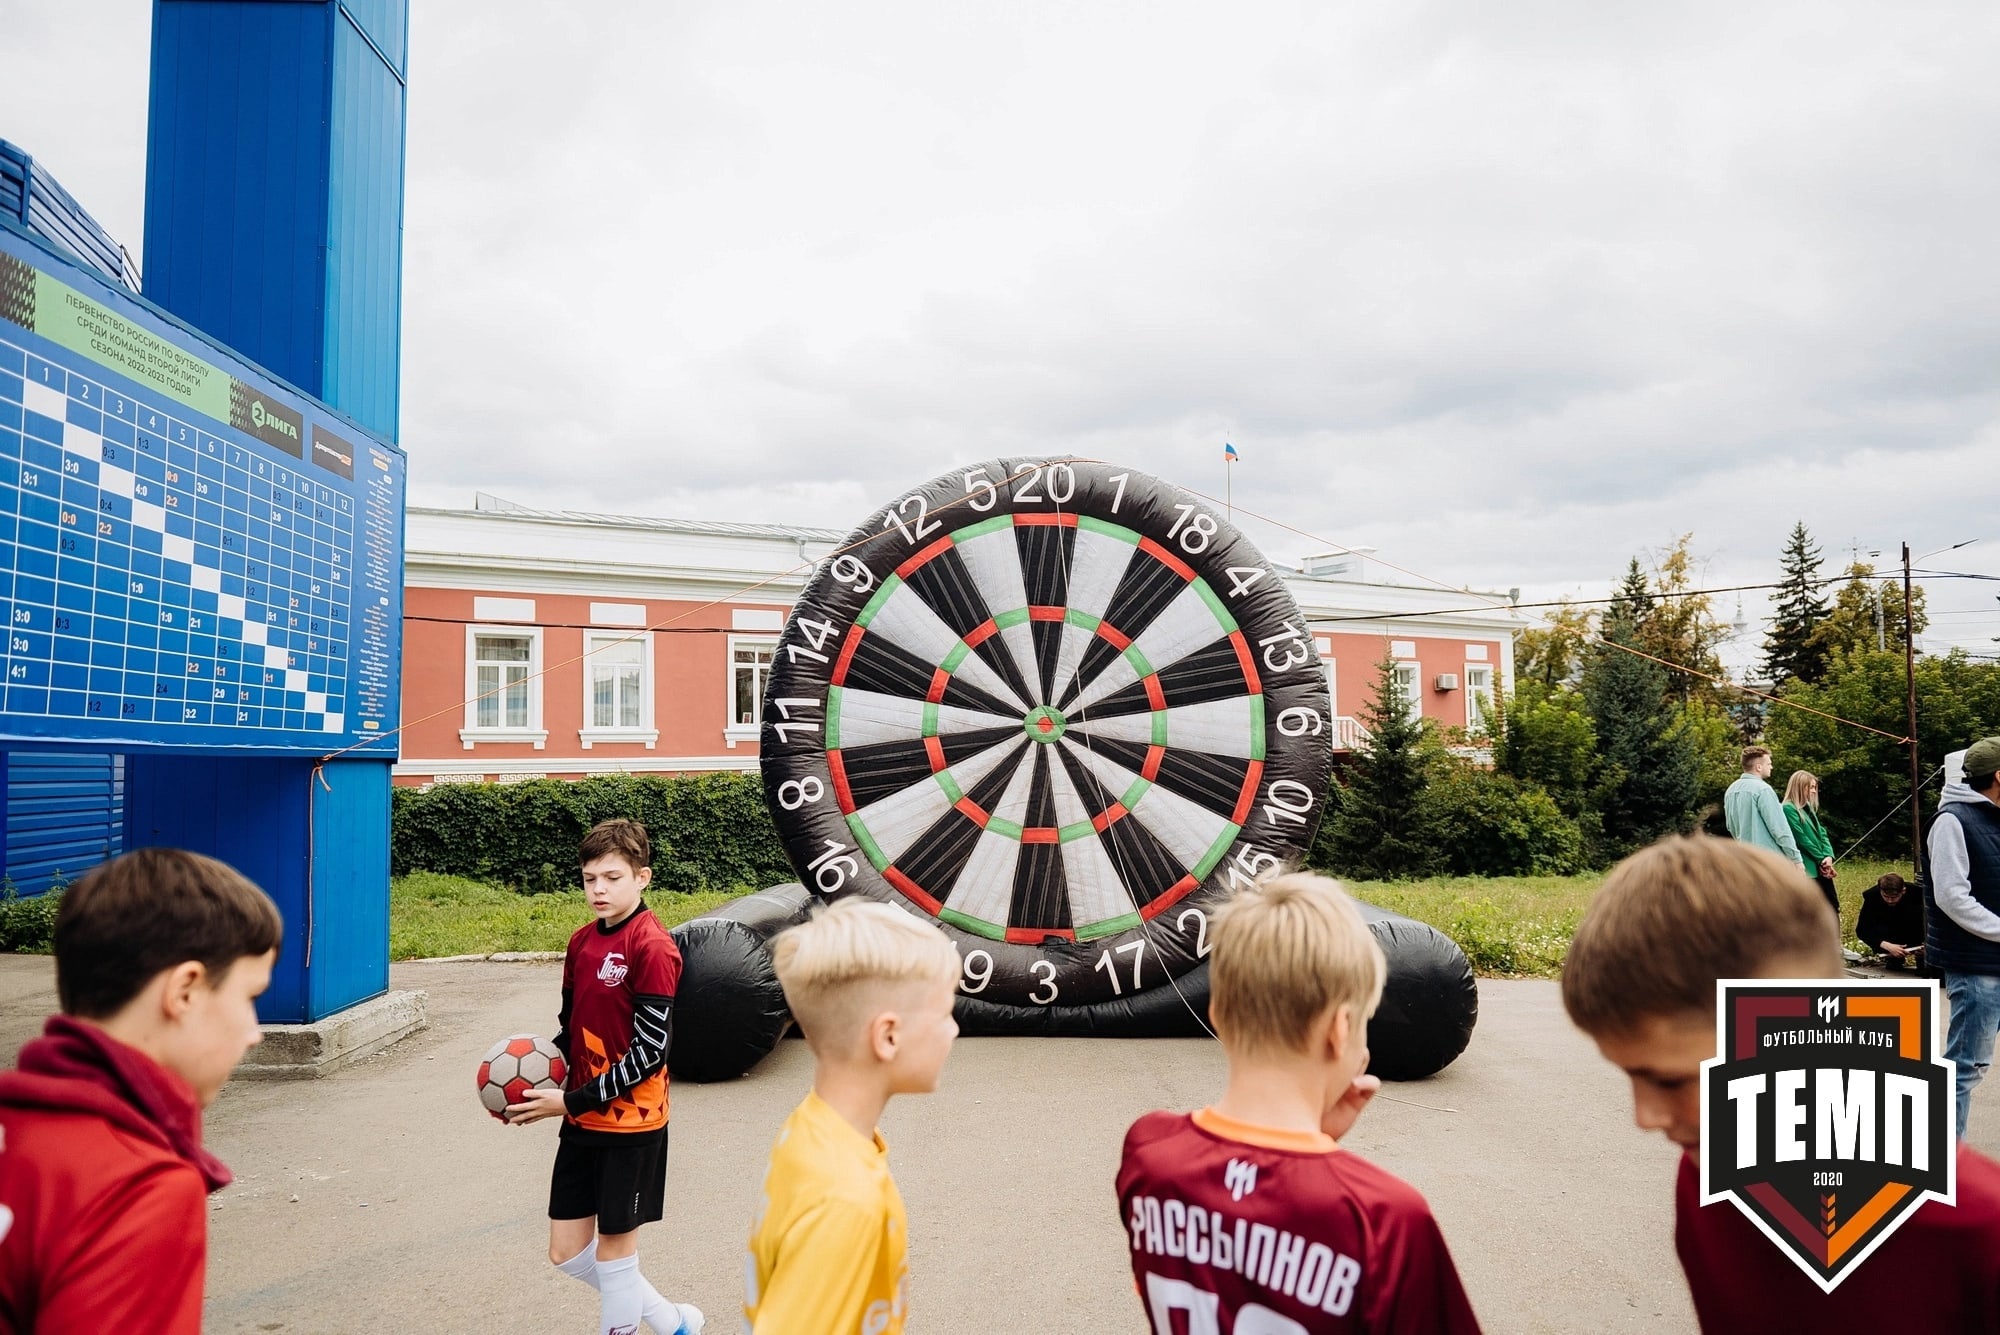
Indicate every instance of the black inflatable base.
{"type": "Point", "coordinates": [731, 1012]}
{"type": "Point", "coordinates": [1425, 1020]}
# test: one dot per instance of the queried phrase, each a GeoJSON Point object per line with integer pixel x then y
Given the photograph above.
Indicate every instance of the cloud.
{"type": "Point", "coordinates": [1508, 292]}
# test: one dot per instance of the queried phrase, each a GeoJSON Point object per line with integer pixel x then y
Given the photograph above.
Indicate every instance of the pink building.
{"type": "Point", "coordinates": [557, 644]}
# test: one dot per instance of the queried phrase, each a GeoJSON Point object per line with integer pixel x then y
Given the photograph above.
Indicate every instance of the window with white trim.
{"type": "Point", "coordinates": [1410, 676]}
{"type": "Point", "coordinates": [618, 688]}
{"type": "Point", "coordinates": [503, 686]}
{"type": "Point", "coordinates": [1478, 697]}
{"type": "Point", "coordinates": [750, 661]}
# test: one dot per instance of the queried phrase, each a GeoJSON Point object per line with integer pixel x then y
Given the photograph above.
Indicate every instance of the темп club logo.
{"type": "Point", "coordinates": [1826, 1118]}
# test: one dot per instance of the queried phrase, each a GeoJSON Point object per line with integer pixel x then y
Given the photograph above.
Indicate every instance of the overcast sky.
{"type": "Point", "coordinates": [1508, 291]}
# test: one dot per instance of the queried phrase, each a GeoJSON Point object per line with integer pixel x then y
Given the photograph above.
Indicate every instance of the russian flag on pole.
{"type": "Point", "coordinates": [1229, 452]}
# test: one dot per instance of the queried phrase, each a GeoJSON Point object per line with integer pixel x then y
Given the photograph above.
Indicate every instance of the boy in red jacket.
{"type": "Point", "coordinates": [160, 956]}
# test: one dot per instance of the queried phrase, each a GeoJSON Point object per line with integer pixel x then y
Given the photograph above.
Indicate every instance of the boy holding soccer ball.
{"type": "Point", "coordinates": [872, 988]}
{"type": "Point", "coordinates": [160, 957]}
{"type": "Point", "coordinates": [610, 1176]}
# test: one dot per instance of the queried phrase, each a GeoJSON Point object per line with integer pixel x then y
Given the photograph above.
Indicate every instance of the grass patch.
{"type": "Point", "coordinates": [431, 915]}
{"type": "Point", "coordinates": [1520, 926]}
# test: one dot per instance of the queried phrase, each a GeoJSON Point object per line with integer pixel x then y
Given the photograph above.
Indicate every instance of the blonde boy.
{"type": "Point", "coordinates": [1248, 1214]}
{"type": "Point", "coordinates": [1640, 980]}
{"type": "Point", "coordinates": [872, 988]}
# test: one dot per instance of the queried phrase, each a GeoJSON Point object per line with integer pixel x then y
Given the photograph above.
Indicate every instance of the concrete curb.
{"type": "Point", "coordinates": [310, 1051]}
{"type": "Point", "coordinates": [498, 957]}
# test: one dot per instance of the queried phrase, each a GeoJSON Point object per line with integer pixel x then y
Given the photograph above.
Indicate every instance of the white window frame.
{"type": "Point", "coordinates": [1478, 699]}
{"type": "Point", "coordinates": [1332, 685]}
{"type": "Point", "coordinates": [646, 732]}
{"type": "Point", "coordinates": [1414, 686]}
{"type": "Point", "coordinates": [732, 731]}
{"type": "Point", "coordinates": [534, 734]}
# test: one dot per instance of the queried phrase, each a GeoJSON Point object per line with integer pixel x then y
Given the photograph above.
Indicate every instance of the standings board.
{"type": "Point", "coordinates": [192, 555]}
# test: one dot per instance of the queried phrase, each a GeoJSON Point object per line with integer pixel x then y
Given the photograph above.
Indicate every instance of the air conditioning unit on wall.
{"type": "Point", "coordinates": [1447, 681]}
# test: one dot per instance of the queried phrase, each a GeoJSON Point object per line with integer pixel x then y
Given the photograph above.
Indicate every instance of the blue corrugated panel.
{"type": "Point", "coordinates": [236, 176]}
{"type": "Point", "coordinates": [65, 814]}
{"type": "Point", "coordinates": [386, 25]}
{"type": "Point", "coordinates": [319, 847]}
{"type": "Point", "coordinates": [364, 269]}
{"type": "Point", "coordinates": [274, 194]}
{"type": "Point", "coordinates": [34, 199]}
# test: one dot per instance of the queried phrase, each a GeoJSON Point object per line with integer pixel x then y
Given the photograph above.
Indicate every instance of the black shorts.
{"type": "Point", "coordinates": [622, 1179]}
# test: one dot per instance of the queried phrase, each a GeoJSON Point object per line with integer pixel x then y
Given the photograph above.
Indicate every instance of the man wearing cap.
{"type": "Point", "coordinates": [1962, 884]}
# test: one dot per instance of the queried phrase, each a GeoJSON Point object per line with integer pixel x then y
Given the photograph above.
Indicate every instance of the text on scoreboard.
{"type": "Point", "coordinates": [191, 555]}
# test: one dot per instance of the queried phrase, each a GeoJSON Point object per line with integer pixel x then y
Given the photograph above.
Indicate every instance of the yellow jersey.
{"type": "Point", "coordinates": [829, 1249]}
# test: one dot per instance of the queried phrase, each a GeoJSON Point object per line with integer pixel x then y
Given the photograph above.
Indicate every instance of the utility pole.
{"type": "Point", "coordinates": [1910, 690]}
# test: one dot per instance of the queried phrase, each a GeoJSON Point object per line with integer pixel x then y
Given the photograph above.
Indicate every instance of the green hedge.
{"type": "Point", "coordinates": [27, 925]}
{"type": "Point", "coordinates": [710, 831]}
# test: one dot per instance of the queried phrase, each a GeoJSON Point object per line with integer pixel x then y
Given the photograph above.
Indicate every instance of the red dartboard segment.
{"type": "Point", "coordinates": [909, 567]}
{"type": "Point", "coordinates": [837, 771]}
{"type": "Point", "coordinates": [1098, 750]}
{"type": "Point", "coordinates": [846, 659]}
{"type": "Point", "coordinates": [1249, 798]}
{"type": "Point", "coordinates": [1034, 936]}
{"type": "Point", "coordinates": [1243, 656]}
{"type": "Point", "coordinates": [915, 893]}
{"type": "Point", "coordinates": [1180, 890]}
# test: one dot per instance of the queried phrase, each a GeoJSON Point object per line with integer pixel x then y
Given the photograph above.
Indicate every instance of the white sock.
{"type": "Point", "coordinates": [664, 1317]}
{"type": "Point", "coordinates": [620, 1301]}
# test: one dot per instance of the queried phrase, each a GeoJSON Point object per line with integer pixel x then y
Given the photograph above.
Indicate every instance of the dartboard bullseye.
{"type": "Point", "coordinates": [1059, 707]}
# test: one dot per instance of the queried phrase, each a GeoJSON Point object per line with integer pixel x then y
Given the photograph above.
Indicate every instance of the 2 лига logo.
{"type": "Point", "coordinates": [1827, 1119]}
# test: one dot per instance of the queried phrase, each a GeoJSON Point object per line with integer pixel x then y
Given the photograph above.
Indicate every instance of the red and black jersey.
{"type": "Point", "coordinates": [1940, 1269]}
{"type": "Point", "coordinates": [617, 1022]}
{"type": "Point", "coordinates": [1234, 1226]}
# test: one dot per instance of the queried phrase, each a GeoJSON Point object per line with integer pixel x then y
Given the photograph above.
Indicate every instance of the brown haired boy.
{"type": "Point", "coordinates": [616, 1022]}
{"type": "Point", "coordinates": [1248, 1215]}
{"type": "Point", "coordinates": [1640, 980]}
{"type": "Point", "coordinates": [160, 956]}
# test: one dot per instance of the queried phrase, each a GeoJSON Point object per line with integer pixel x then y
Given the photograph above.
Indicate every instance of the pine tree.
{"type": "Point", "coordinates": [1649, 768]}
{"type": "Point", "coordinates": [1380, 831]}
{"type": "Point", "coordinates": [1794, 651]}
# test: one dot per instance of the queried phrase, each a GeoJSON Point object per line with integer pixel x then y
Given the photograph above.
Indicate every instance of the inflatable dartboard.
{"type": "Point", "coordinates": [1060, 707]}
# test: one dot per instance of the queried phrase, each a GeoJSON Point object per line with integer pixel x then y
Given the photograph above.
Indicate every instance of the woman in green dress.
{"type": "Point", "coordinates": [1802, 813]}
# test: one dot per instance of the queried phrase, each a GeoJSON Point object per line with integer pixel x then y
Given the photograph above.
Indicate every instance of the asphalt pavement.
{"type": "Point", "coordinates": [384, 1199]}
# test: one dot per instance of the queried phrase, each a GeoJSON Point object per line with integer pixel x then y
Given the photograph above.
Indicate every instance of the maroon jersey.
{"type": "Point", "coordinates": [1243, 1230]}
{"type": "Point", "coordinates": [618, 992]}
{"type": "Point", "coordinates": [1939, 1271]}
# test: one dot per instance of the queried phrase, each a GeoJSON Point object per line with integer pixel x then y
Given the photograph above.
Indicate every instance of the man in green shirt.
{"type": "Point", "coordinates": [1753, 811]}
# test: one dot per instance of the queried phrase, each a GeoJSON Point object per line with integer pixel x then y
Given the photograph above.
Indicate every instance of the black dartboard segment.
{"type": "Point", "coordinates": [1061, 708]}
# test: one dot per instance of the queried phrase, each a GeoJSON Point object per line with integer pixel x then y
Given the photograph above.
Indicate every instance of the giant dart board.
{"type": "Point", "coordinates": [1060, 707]}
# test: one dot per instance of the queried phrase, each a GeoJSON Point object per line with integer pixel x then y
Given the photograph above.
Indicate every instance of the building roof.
{"type": "Point", "coordinates": [488, 506]}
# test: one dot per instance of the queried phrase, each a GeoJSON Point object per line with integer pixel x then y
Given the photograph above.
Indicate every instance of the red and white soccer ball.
{"type": "Point", "coordinates": [513, 1066]}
